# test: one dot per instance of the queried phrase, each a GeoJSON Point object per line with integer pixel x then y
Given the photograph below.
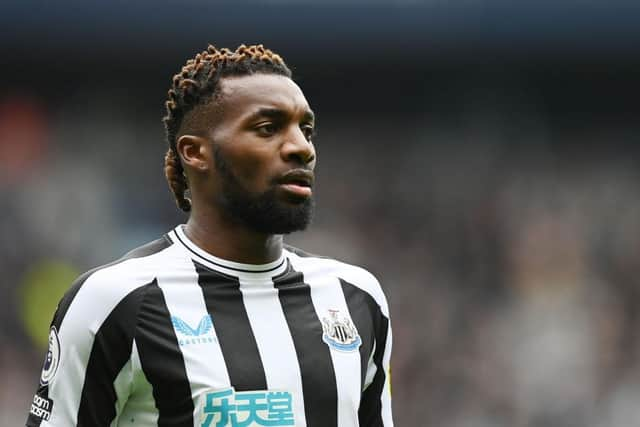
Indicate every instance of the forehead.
{"type": "Point", "coordinates": [244, 95]}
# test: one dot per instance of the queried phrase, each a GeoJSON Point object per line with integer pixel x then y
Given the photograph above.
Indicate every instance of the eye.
{"type": "Point", "coordinates": [308, 131]}
{"type": "Point", "coordinates": [266, 129]}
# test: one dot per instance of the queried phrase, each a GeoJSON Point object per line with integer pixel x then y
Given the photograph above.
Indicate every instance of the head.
{"type": "Point", "coordinates": [239, 133]}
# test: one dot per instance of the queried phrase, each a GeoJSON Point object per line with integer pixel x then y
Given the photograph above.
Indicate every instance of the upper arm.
{"type": "Point", "coordinates": [90, 343]}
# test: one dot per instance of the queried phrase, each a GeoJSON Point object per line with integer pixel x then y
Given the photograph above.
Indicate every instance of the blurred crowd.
{"type": "Point", "coordinates": [512, 273]}
{"type": "Point", "coordinates": [509, 249]}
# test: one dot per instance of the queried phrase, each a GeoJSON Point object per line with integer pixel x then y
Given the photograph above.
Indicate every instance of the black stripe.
{"type": "Point", "coordinates": [224, 303]}
{"type": "Point", "coordinates": [371, 325]}
{"type": "Point", "coordinates": [225, 266]}
{"type": "Point", "coordinates": [370, 412]}
{"type": "Point", "coordinates": [110, 351]}
{"type": "Point", "coordinates": [65, 302]}
{"type": "Point", "coordinates": [162, 361]}
{"type": "Point", "coordinates": [363, 310]}
{"type": "Point", "coordinates": [318, 376]}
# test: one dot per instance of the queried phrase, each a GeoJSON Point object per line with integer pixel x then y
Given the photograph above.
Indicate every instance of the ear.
{"type": "Point", "coordinates": [195, 152]}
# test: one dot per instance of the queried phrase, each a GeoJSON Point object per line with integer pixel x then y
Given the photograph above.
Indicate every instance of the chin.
{"type": "Point", "coordinates": [285, 219]}
{"type": "Point", "coordinates": [268, 212]}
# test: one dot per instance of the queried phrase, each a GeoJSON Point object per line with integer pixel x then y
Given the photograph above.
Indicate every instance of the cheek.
{"type": "Point", "coordinates": [249, 173]}
{"type": "Point", "coordinates": [253, 169]}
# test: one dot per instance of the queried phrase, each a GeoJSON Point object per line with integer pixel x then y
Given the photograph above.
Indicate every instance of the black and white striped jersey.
{"type": "Point", "coordinates": [170, 335]}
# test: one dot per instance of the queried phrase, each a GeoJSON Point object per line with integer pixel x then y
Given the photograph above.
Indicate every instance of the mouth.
{"type": "Point", "coordinates": [298, 182]}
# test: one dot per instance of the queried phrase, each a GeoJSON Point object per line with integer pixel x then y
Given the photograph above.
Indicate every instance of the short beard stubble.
{"type": "Point", "coordinates": [263, 212]}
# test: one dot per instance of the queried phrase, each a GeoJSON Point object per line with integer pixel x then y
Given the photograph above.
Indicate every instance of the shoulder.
{"type": "Point", "coordinates": [348, 274]}
{"type": "Point", "coordinates": [100, 289]}
{"type": "Point", "coordinates": [136, 265]}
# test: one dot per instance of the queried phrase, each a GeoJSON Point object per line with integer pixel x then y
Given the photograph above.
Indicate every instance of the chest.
{"type": "Point", "coordinates": [244, 346]}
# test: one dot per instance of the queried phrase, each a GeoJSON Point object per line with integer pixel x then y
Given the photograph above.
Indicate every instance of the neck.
{"type": "Point", "coordinates": [232, 241]}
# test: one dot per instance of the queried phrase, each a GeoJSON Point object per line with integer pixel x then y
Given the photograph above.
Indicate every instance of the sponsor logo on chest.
{"type": "Point", "coordinates": [229, 408]}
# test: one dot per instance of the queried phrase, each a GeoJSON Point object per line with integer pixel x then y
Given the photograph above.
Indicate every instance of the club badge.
{"type": "Point", "coordinates": [340, 333]}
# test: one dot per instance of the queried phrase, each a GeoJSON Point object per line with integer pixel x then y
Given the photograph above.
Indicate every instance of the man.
{"type": "Point", "coordinates": [219, 323]}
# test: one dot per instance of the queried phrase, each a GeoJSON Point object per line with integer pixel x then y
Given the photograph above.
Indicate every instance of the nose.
{"type": "Point", "coordinates": [298, 149]}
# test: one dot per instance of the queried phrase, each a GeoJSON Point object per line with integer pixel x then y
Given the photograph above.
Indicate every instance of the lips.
{"type": "Point", "coordinates": [298, 182]}
{"type": "Point", "coordinates": [300, 177]}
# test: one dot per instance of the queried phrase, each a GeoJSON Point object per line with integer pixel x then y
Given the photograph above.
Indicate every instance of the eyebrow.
{"type": "Point", "coordinates": [278, 114]}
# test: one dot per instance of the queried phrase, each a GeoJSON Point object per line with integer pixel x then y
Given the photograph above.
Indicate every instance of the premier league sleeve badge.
{"type": "Point", "coordinates": [52, 360]}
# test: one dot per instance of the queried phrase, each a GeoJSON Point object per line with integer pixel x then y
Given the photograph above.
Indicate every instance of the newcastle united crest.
{"type": "Point", "coordinates": [339, 332]}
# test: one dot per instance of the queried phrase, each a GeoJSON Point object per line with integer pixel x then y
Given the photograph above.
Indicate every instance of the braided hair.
{"type": "Point", "coordinates": [195, 85]}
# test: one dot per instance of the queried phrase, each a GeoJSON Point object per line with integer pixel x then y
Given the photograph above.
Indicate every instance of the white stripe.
{"type": "Point", "coordinates": [122, 387]}
{"type": "Point", "coordinates": [204, 363]}
{"type": "Point", "coordinates": [371, 369]}
{"type": "Point", "coordinates": [274, 341]}
{"type": "Point", "coordinates": [140, 407]}
{"type": "Point", "coordinates": [228, 267]}
{"type": "Point", "coordinates": [386, 391]}
{"type": "Point", "coordinates": [95, 300]}
{"type": "Point", "coordinates": [326, 294]}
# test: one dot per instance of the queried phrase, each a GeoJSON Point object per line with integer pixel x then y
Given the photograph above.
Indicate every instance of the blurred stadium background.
{"type": "Point", "coordinates": [480, 157]}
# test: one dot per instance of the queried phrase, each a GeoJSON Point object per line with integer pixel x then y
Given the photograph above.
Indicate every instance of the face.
{"type": "Point", "coordinates": [263, 157]}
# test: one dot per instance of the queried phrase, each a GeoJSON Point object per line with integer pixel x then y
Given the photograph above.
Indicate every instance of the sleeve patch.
{"type": "Point", "coordinates": [52, 359]}
{"type": "Point", "coordinates": [41, 408]}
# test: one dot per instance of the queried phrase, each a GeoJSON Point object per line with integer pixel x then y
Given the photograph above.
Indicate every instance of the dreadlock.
{"type": "Point", "coordinates": [195, 85]}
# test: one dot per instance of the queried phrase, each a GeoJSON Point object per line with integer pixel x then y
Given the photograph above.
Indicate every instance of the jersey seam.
{"type": "Point", "coordinates": [369, 294]}
{"type": "Point", "coordinates": [137, 323]}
